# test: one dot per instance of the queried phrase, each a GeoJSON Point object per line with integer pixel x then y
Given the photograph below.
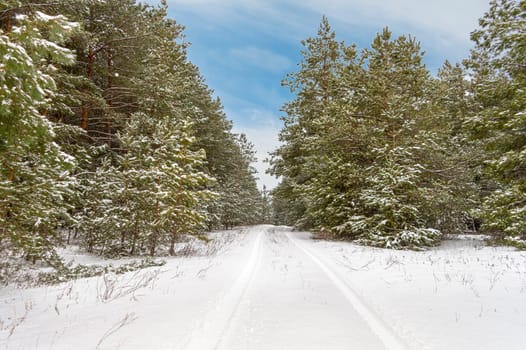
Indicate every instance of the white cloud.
{"type": "Point", "coordinates": [448, 19]}
{"type": "Point", "coordinates": [223, 10]}
{"type": "Point", "coordinates": [451, 20]}
{"type": "Point", "coordinates": [264, 59]}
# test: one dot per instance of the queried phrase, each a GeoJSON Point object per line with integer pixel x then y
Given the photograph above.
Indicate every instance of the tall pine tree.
{"type": "Point", "coordinates": [35, 174]}
{"type": "Point", "coordinates": [498, 70]}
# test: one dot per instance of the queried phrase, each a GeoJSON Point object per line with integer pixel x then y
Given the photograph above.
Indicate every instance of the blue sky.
{"type": "Point", "coordinates": [244, 48]}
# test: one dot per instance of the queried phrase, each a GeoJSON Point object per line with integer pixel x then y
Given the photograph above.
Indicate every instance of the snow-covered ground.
{"type": "Point", "coordinates": [267, 287]}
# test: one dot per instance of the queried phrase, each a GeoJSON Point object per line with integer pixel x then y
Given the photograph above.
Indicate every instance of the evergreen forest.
{"type": "Point", "coordinates": [109, 136]}
{"type": "Point", "coordinates": [377, 149]}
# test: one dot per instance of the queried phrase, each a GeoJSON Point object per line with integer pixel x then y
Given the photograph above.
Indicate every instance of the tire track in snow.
{"type": "Point", "coordinates": [215, 328]}
{"type": "Point", "coordinates": [386, 335]}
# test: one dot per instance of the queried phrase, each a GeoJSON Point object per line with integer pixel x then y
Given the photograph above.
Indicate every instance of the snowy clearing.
{"type": "Point", "coordinates": [267, 287]}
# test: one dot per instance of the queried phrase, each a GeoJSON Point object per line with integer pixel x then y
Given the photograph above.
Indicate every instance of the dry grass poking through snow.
{"type": "Point", "coordinates": [23, 305]}
{"type": "Point", "coordinates": [461, 295]}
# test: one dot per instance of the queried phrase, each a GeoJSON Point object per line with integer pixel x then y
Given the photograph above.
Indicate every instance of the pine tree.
{"type": "Point", "coordinates": [34, 171]}
{"type": "Point", "coordinates": [161, 172]}
{"type": "Point", "coordinates": [369, 145]}
{"type": "Point", "coordinates": [309, 116]}
{"type": "Point", "coordinates": [457, 167]}
{"type": "Point", "coordinates": [499, 123]}
{"type": "Point", "coordinates": [240, 201]}
{"type": "Point", "coordinates": [393, 98]}
{"type": "Point", "coordinates": [156, 189]}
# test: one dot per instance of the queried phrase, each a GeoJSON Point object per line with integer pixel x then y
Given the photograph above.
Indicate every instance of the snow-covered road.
{"type": "Point", "coordinates": [270, 288]}
{"type": "Point", "coordinates": [287, 298]}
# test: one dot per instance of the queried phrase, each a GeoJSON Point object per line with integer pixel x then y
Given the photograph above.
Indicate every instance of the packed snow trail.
{"type": "Point", "coordinates": [261, 291]}
{"type": "Point", "coordinates": [389, 338]}
{"type": "Point", "coordinates": [284, 299]}
{"type": "Point", "coordinates": [214, 327]}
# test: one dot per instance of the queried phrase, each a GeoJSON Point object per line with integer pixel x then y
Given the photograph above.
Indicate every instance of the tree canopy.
{"type": "Point", "coordinates": [379, 150]}
{"type": "Point", "coordinates": [110, 133]}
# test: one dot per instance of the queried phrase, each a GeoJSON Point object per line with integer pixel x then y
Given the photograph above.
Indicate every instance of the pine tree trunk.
{"type": "Point", "coordinates": [172, 243]}
{"type": "Point", "coordinates": [89, 73]}
{"type": "Point", "coordinates": [90, 242]}
{"type": "Point", "coordinates": [325, 82]}
{"type": "Point", "coordinates": [11, 174]}
{"type": "Point", "coordinates": [4, 213]}
{"type": "Point", "coordinates": [8, 24]}
{"type": "Point", "coordinates": [84, 117]}
{"type": "Point", "coordinates": [134, 239]}
{"type": "Point", "coordinates": [123, 233]}
{"type": "Point", "coordinates": [153, 243]}
{"type": "Point", "coordinates": [109, 91]}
